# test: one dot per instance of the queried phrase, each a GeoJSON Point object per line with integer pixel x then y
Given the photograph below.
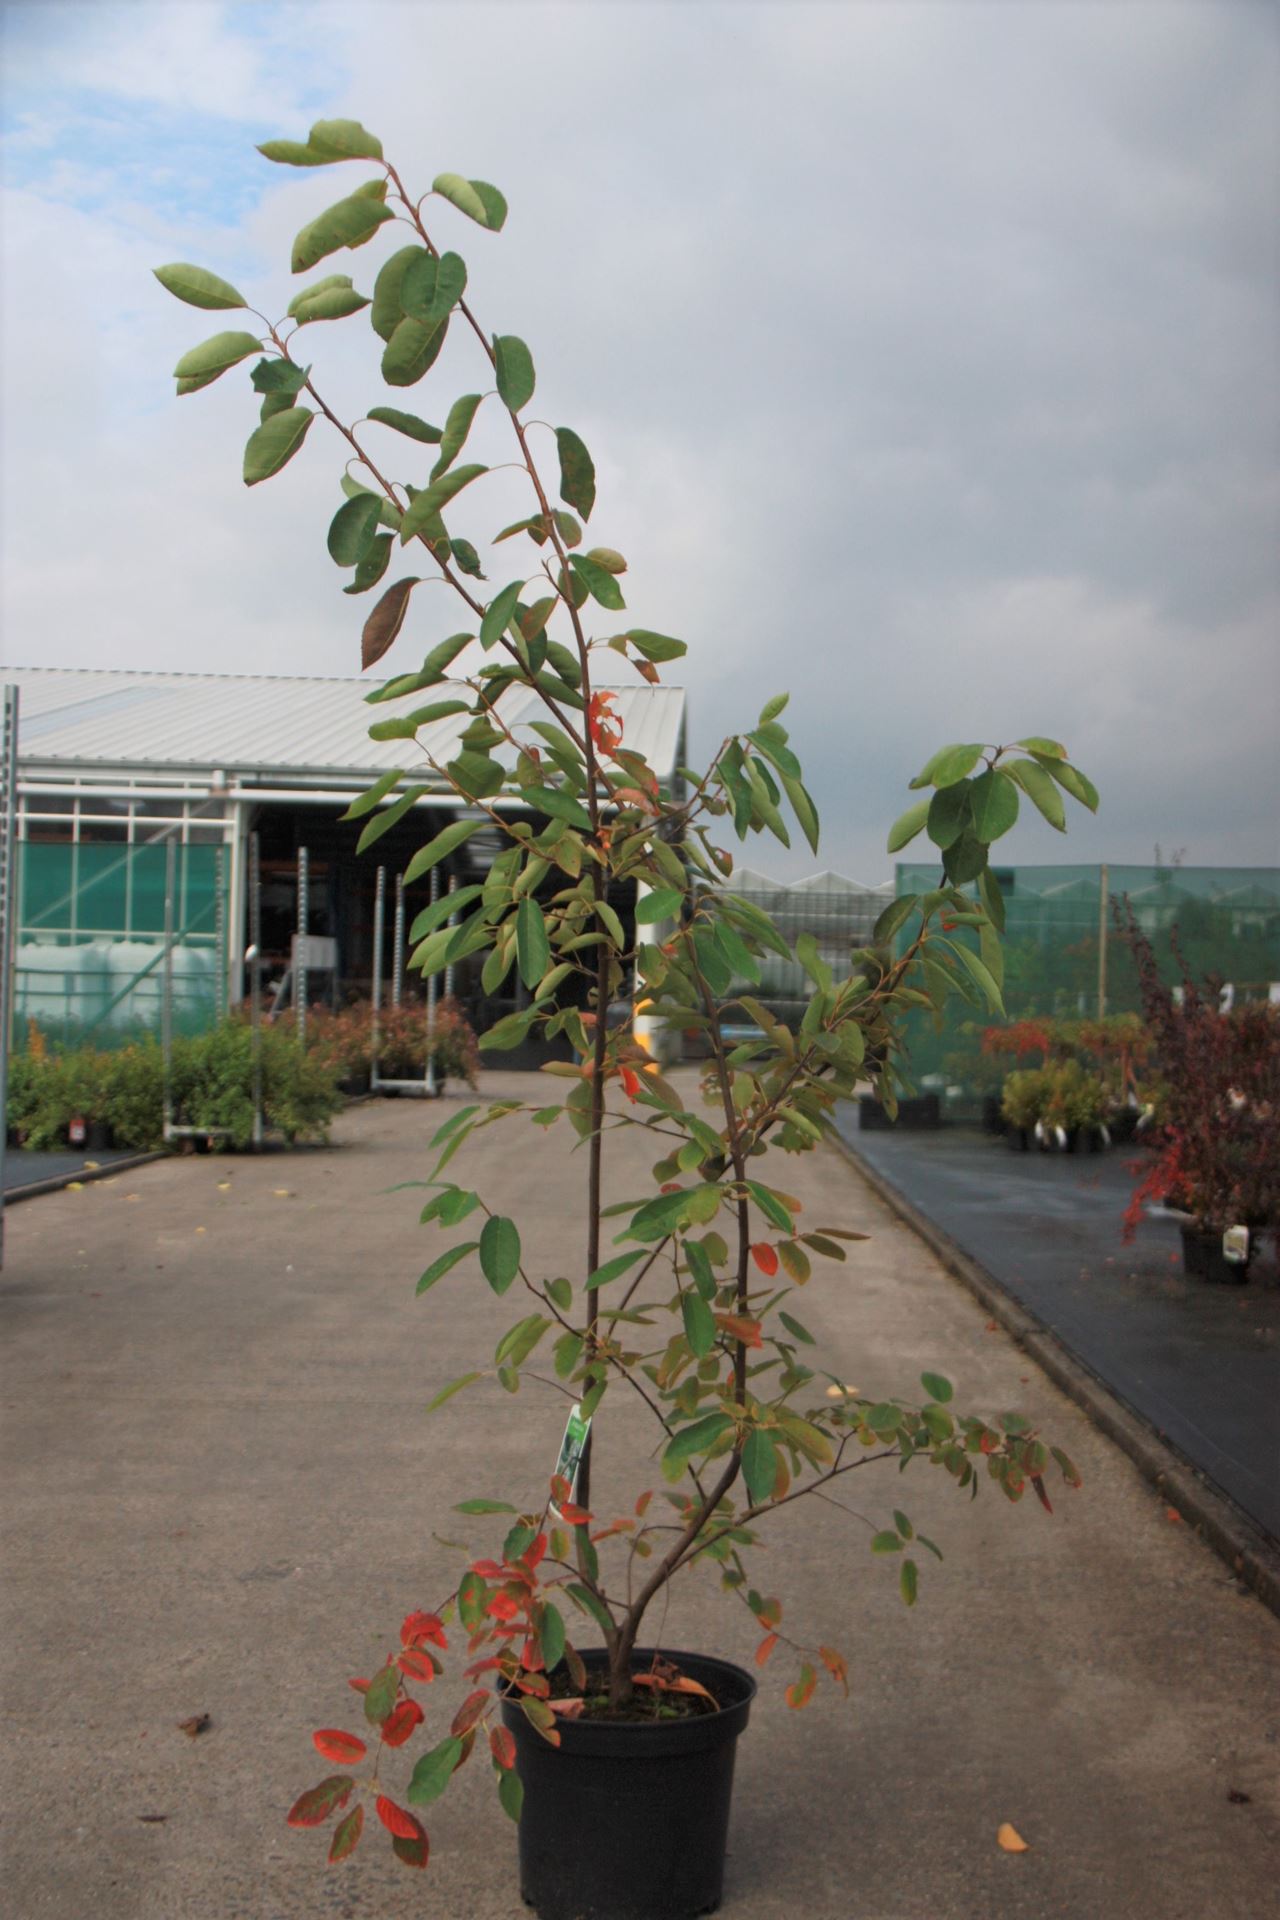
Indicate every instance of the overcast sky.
{"type": "Point", "coordinates": [927, 354]}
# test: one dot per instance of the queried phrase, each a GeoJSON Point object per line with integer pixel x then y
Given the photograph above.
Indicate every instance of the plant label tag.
{"type": "Point", "coordinates": [76, 1131]}
{"type": "Point", "coordinates": [572, 1447]}
{"type": "Point", "coordinates": [1235, 1245]}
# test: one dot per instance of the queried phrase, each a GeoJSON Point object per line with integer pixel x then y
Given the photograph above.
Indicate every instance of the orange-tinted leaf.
{"type": "Point", "coordinates": [345, 1748]}
{"type": "Point", "coordinates": [397, 1821]}
{"type": "Point", "coordinates": [361, 1686]}
{"type": "Point", "coordinates": [488, 1569]}
{"type": "Point", "coordinates": [483, 1666]}
{"type": "Point", "coordinates": [385, 622]}
{"type": "Point", "coordinates": [540, 1716]}
{"type": "Point", "coordinates": [837, 1666]}
{"type": "Point", "coordinates": [413, 1852]}
{"type": "Point", "coordinates": [535, 1552]}
{"type": "Point", "coordinates": [739, 1327]}
{"type": "Point", "coordinates": [642, 1504]}
{"type": "Point", "coordinates": [531, 1656]}
{"type": "Point", "coordinates": [1010, 1839]}
{"type": "Point", "coordinates": [1037, 1485]}
{"type": "Point", "coordinates": [502, 1607]}
{"type": "Point", "coordinates": [419, 1627]}
{"type": "Point", "coordinates": [765, 1258]}
{"type": "Point", "coordinates": [673, 1683]}
{"type": "Point", "coordinates": [765, 1648]}
{"type": "Point", "coordinates": [470, 1711]}
{"type": "Point", "coordinates": [574, 1516]}
{"type": "Point", "coordinates": [800, 1693]}
{"type": "Point", "coordinates": [502, 1745]}
{"type": "Point", "coordinates": [313, 1808]}
{"type": "Point", "coordinates": [417, 1664]}
{"type": "Point", "coordinates": [630, 1082]}
{"type": "Point", "coordinates": [346, 1835]}
{"type": "Point", "coordinates": [405, 1716]}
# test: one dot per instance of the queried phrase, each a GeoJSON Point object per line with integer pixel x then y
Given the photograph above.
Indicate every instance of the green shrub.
{"type": "Point", "coordinates": [1022, 1100]}
{"type": "Point", "coordinates": [135, 1096]}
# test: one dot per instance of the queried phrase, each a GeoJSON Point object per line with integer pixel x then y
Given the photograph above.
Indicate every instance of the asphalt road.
{"type": "Point", "coordinates": [1199, 1362]}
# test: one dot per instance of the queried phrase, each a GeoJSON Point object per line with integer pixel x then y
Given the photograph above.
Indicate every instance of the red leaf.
{"type": "Point", "coordinates": [470, 1711]}
{"type": "Point", "coordinates": [630, 1082]}
{"type": "Point", "coordinates": [1038, 1487]}
{"type": "Point", "coordinates": [345, 1748]}
{"type": "Point", "coordinates": [837, 1666]}
{"type": "Point", "coordinates": [483, 1666]}
{"type": "Point", "coordinates": [502, 1607]}
{"type": "Point", "coordinates": [417, 1664]}
{"type": "Point", "coordinates": [765, 1258]}
{"type": "Point", "coordinates": [346, 1835]}
{"type": "Point", "coordinates": [642, 1503]}
{"type": "Point", "coordinates": [419, 1627]}
{"type": "Point", "coordinates": [313, 1808]}
{"type": "Point", "coordinates": [739, 1327]}
{"type": "Point", "coordinates": [531, 1657]}
{"type": "Point", "coordinates": [534, 1554]}
{"type": "Point", "coordinates": [397, 1821]}
{"type": "Point", "coordinates": [502, 1746]}
{"type": "Point", "coordinates": [361, 1686]}
{"type": "Point", "coordinates": [488, 1569]}
{"type": "Point", "coordinates": [412, 1852]}
{"type": "Point", "coordinates": [765, 1648]}
{"type": "Point", "coordinates": [401, 1722]}
{"type": "Point", "coordinates": [574, 1516]}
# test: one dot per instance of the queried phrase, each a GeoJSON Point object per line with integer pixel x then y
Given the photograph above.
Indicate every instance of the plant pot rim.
{"type": "Point", "coordinates": [652, 1739]}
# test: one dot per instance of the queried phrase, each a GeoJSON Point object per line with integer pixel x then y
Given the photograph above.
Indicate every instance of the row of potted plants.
{"type": "Point", "coordinates": [1061, 1105]}
{"type": "Point", "coordinates": [344, 1040]}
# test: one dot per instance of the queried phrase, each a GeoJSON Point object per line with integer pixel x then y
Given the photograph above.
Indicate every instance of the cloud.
{"type": "Point", "coordinates": [926, 354]}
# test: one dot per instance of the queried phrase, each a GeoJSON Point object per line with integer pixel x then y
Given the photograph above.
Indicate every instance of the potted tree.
{"type": "Point", "coordinates": [682, 1297]}
{"type": "Point", "coordinates": [1220, 1108]}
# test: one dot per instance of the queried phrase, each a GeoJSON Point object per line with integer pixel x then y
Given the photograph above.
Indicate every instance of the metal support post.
{"type": "Point", "coordinates": [1104, 902]}
{"type": "Point", "coordinates": [8, 911]}
{"type": "Point", "coordinates": [375, 985]}
{"type": "Point", "coordinates": [254, 958]}
{"type": "Point", "coordinates": [397, 944]}
{"type": "Point", "coordinates": [223, 975]}
{"type": "Point", "coordinates": [166, 990]}
{"type": "Point", "coordinates": [450, 971]}
{"type": "Point", "coordinates": [300, 964]}
{"type": "Point", "coordinates": [430, 1077]}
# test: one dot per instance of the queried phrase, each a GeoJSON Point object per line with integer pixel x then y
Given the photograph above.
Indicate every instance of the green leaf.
{"type": "Point", "coordinates": [938, 1387]}
{"type": "Point", "coordinates": [662, 904]}
{"type": "Point", "coordinates": [759, 1464]}
{"type": "Point", "coordinates": [447, 1261]}
{"type": "Point", "coordinates": [510, 1793]}
{"type": "Point", "coordinates": [1040, 790]}
{"type": "Point", "coordinates": [498, 613]}
{"type": "Point", "coordinates": [348, 223]}
{"type": "Point", "coordinates": [802, 806]}
{"type": "Point", "coordinates": [456, 429]}
{"type": "Point", "coordinates": [380, 1695]}
{"type": "Point", "coordinates": [611, 1269]}
{"type": "Point", "coordinates": [577, 473]}
{"type": "Point", "coordinates": [476, 198]}
{"type": "Point", "coordinates": [295, 153]}
{"type": "Point", "coordinates": [433, 1771]}
{"type": "Point", "coordinates": [1050, 749]}
{"type": "Point", "coordinates": [447, 841]}
{"type": "Point", "coordinates": [499, 1252]}
{"type": "Point", "coordinates": [352, 529]}
{"type": "Point", "coordinates": [431, 287]}
{"type": "Point", "coordinates": [343, 140]}
{"type": "Point", "coordinates": [388, 310]}
{"type": "Point", "coordinates": [598, 581]}
{"type": "Point", "coordinates": [908, 1581]}
{"type": "Point", "coordinates": [994, 804]}
{"type": "Point", "coordinates": [508, 1032]}
{"type": "Point", "coordinates": [411, 350]}
{"type": "Point", "coordinates": [886, 1542]}
{"type": "Point", "coordinates": [388, 818]}
{"type": "Point", "coordinates": [551, 1635]}
{"type": "Point", "coordinates": [908, 825]}
{"type": "Point", "coordinates": [373, 565]}
{"type": "Point", "coordinates": [407, 423]}
{"type": "Point", "coordinates": [484, 1506]}
{"type": "Point", "coordinates": [432, 498]}
{"type": "Point", "coordinates": [949, 814]}
{"type": "Point", "coordinates": [771, 1207]}
{"type": "Point", "coordinates": [514, 367]}
{"type": "Point", "coordinates": [317, 287]}
{"type": "Point", "coordinates": [656, 646]}
{"type": "Point", "coordinates": [279, 376]}
{"type": "Point", "coordinates": [584, 1598]}
{"type": "Point", "coordinates": [772, 708]}
{"type": "Point", "coordinates": [366, 802]}
{"type": "Point", "coordinates": [274, 444]}
{"type": "Point", "coordinates": [1075, 783]}
{"type": "Point", "coordinates": [794, 1327]}
{"type": "Point", "coordinates": [980, 974]}
{"type": "Point", "coordinates": [198, 287]}
{"type": "Point", "coordinates": [215, 355]}
{"type": "Point", "coordinates": [694, 1439]}
{"type": "Point", "coordinates": [454, 1386]}
{"type": "Point", "coordinates": [386, 620]}
{"type": "Point", "coordinates": [557, 805]}
{"type": "Point", "coordinates": [992, 898]}
{"type": "Point", "coordinates": [335, 304]}
{"type": "Point", "coordinates": [518, 1342]}
{"type": "Point", "coordinates": [894, 918]}
{"type": "Point", "coordinates": [699, 1324]}
{"type": "Point", "coordinates": [533, 949]}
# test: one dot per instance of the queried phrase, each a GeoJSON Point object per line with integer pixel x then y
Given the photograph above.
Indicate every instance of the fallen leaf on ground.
{"type": "Point", "coordinates": [74, 1186]}
{"type": "Point", "coordinates": [223, 1185]}
{"type": "Point", "coordinates": [196, 1724]}
{"type": "Point", "coordinates": [842, 1393]}
{"type": "Point", "coordinates": [151, 1819]}
{"type": "Point", "coordinates": [993, 1326]}
{"type": "Point", "coordinates": [567, 1709]}
{"type": "Point", "coordinates": [1239, 1798]}
{"type": "Point", "coordinates": [1171, 1513]}
{"type": "Point", "coordinates": [1010, 1839]}
{"type": "Point", "coordinates": [282, 1193]}
{"type": "Point", "coordinates": [202, 1229]}
{"type": "Point", "coordinates": [91, 1166]}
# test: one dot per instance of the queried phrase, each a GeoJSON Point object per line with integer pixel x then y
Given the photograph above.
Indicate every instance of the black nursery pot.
{"type": "Point", "coordinates": [628, 1820]}
{"type": "Point", "coordinates": [1202, 1256]}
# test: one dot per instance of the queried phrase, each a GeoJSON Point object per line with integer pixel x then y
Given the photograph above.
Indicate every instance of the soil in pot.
{"type": "Point", "coordinates": [628, 1819]}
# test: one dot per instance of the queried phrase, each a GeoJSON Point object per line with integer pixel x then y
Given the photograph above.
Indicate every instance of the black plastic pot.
{"type": "Point", "coordinates": [628, 1820]}
{"type": "Point", "coordinates": [1202, 1256]}
{"type": "Point", "coordinates": [98, 1137]}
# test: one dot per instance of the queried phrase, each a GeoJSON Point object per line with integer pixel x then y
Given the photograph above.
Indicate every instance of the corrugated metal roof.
{"type": "Point", "coordinates": [90, 719]}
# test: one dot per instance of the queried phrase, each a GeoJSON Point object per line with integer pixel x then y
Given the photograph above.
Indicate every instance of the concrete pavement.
{"type": "Point", "coordinates": [221, 1491]}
